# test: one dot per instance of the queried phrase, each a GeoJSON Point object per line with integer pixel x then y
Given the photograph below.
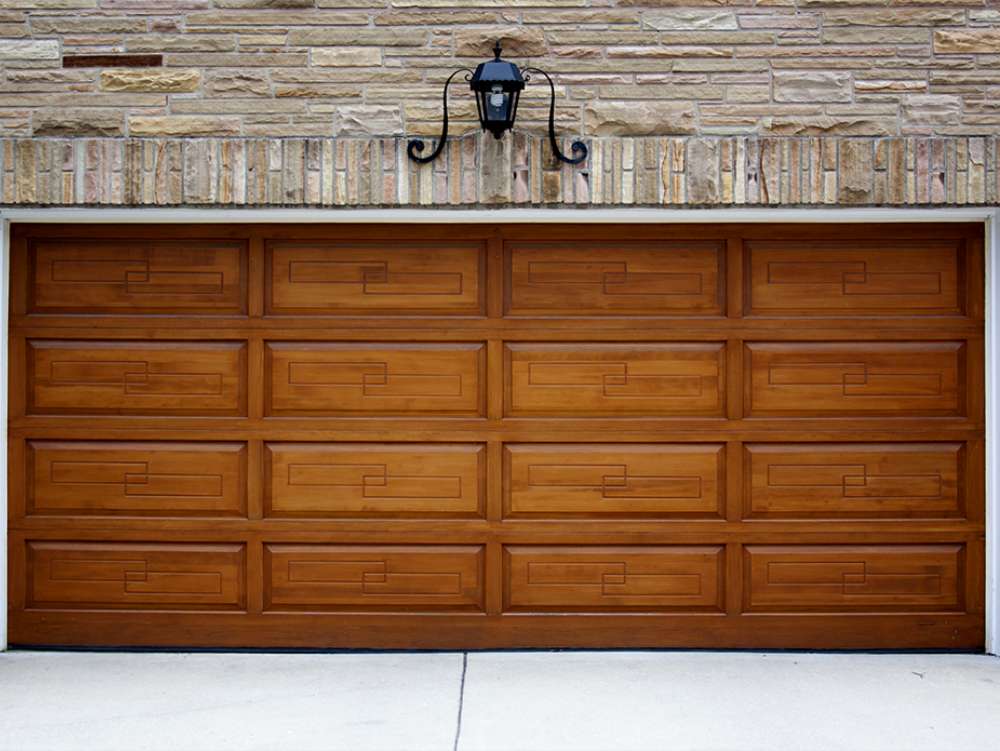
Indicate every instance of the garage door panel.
{"type": "Point", "coordinates": [136, 378]}
{"type": "Point", "coordinates": [589, 278]}
{"type": "Point", "coordinates": [373, 577]}
{"type": "Point", "coordinates": [848, 578]}
{"type": "Point", "coordinates": [860, 378]}
{"type": "Point", "coordinates": [342, 278]}
{"type": "Point", "coordinates": [139, 276]}
{"type": "Point", "coordinates": [331, 379]}
{"type": "Point", "coordinates": [852, 278]}
{"type": "Point", "coordinates": [375, 480]}
{"type": "Point", "coordinates": [447, 436]}
{"type": "Point", "coordinates": [119, 575]}
{"type": "Point", "coordinates": [844, 481]}
{"type": "Point", "coordinates": [116, 478]}
{"type": "Point", "coordinates": [613, 578]}
{"type": "Point", "coordinates": [613, 480]}
{"type": "Point", "coordinates": [584, 380]}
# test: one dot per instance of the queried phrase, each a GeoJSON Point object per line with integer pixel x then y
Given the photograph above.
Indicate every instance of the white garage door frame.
{"type": "Point", "coordinates": [990, 217]}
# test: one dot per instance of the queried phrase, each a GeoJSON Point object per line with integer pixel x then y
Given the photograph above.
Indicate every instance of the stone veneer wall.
{"type": "Point", "coordinates": [683, 102]}
{"type": "Point", "coordinates": [298, 68]}
{"type": "Point", "coordinates": [479, 171]}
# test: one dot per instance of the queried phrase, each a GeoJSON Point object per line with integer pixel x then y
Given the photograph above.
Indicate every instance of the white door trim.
{"type": "Point", "coordinates": [989, 216]}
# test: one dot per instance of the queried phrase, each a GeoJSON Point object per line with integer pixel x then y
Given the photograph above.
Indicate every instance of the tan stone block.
{"type": "Point", "coordinates": [238, 83]}
{"type": "Point", "coordinates": [77, 122]}
{"type": "Point", "coordinates": [229, 18]}
{"type": "Point", "coordinates": [601, 36]}
{"type": "Point", "coordinates": [233, 106]}
{"type": "Point", "coordinates": [517, 41]}
{"type": "Point", "coordinates": [821, 125]}
{"type": "Point", "coordinates": [894, 17]}
{"type": "Point", "coordinates": [639, 118]}
{"type": "Point", "coordinates": [812, 86]}
{"type": "Point", "coordinates": [254, 60]}
{"type": "Point", "coordinates": [183, 125]}
{"type": "Point", "coordinates": [771, 20]}
{"type": "Point", "coordinates": [29, 49]}
{"type": "Point", "coordinates": [703, 171]}
{"type": "Point", "coordinates": [670, 52]}
{"type": "Point", "coordinates": [264, 3]}
{"type": "Point", "coordinates": [362, 120]}
{"type": "Point", "coordinates": [150, 79]}
{"type": "Point", "coordinates": [182, 43]}
{"type": "Point", "coordinates": [434, 18]}
{"type": "Point", "coordinates": [888, 35]}
{"type": "Point", "coordinates": [955, 42]}
{"type": "Point", "coordinates": [716, 37]}
{"type": "Point", "coordinates": [701, 92]}
{"type": "Point", "coordinates": [930, 109]}
{"type": "Point", "coordinates": [317, 91]}
{"type": "Point", "coordinates": [689, 18]}
{"type": "Point", "coordinates": [745, 93]}
{"type": "Point", "coordinates": [48, 4]}
{"type": "Point", "coordinates": [347, 37]}
{"type": "Point", "coordinates": [889, 86]}
{"type": "Point", "coordinates": [355, 58]}
{"type": "Point", "coordinates": [708, 65]}
{"type": "Point", "coordinates": [81, 25]}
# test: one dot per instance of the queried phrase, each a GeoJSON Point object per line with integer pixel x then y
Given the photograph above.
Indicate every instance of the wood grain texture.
{"type": "Point", "coordinates": [373, 577]}
{"type": "Point", "coordinates": [589, 278]}
{"type": "Point", "coordinates": [609, 379]}
{"type": "Point", "coordinates": [375, 278]}
{"type": "Point", "coordinates": [839, 578]}
{"type": "Point", "coordinates": [375, 480]}
{"type": "Point", "coordinates": [320, 378]}
{"type": "Point", "coordinates": [854, 480]}
{"type": "Point", "coordinates": [135, 576]}
{"type": "Point", "coordinates": [448, 436]}
{"type": "Point", "coordinates": [139, 478]}
{"type": "Point", "coordinates": [856, 378]}
{"type": "Point", "coordinates": [613, 578]}
{"type": "Point", "coordinates": [136, 378]}
{"type": "Point", "coordinates": [818, 278]}
{"type": "Point", "coordinates": [138, 277]}
{"type": "Point", "coordinates": [599, 480]}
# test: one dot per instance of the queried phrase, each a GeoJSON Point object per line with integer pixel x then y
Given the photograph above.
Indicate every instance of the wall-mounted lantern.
{"type": "Point", "coordinates": [497, 85]}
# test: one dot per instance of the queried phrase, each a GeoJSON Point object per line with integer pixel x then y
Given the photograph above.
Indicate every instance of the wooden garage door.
{"type": "Point", "coordinates": [480, 436]}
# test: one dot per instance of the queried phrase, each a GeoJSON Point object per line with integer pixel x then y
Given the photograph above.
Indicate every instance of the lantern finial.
{"type": "Point", "coordinates": [497, 49]}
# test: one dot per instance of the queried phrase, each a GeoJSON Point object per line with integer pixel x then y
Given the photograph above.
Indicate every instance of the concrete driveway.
{"type": "Point", "coordinates": [499, 701]}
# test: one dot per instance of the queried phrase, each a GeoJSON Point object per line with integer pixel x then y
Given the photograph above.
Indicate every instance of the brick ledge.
{"type": "Point", "coordinates": [688, 171]}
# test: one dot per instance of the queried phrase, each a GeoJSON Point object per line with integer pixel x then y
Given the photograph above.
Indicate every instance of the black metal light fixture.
{"type": "Point", "coordinates": [497, 85]}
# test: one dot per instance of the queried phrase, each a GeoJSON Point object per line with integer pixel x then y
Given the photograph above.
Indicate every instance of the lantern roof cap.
{"type": "Point", "coordinates": [497, 72]}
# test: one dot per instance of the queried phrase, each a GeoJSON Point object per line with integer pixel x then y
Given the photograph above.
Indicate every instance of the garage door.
{"type": "Point", "coordinates": [481, 436]}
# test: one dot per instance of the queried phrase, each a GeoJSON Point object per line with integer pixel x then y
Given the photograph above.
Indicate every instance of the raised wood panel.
{"type": "Point", "coordinates": [118, 575]}
{"type": "Point", "coordinates": [816, 277]}
{"type": "Point", "coordinates": [399, 277]}
{"type": "Point", "coordinates": [846, 481]}
{"type": "Point", "coordinates": [138, 276]}
{"type": "Point", "coordinates": [373, 577]}
{"type": "Point", "coordinates": [329, 378]}
{"type": "Point", "coordinates": [615, 380]}
{"type": "Point", "coordinates": [613, 480]}
{"type": "Point", "coordinates": [846, 578]}
{"type": "Point", "coordinates": [553, 578]}
{"type": "Point", "coordinates": [111, 478]}
{"type": "Point", "coordinates": [375, 480]}
{"type": "Point", "coordinates": [136, 378]}
{"type": "Point", "coordinates": [591, 278]}
{"type": "Point", "coordinates": [856, 378]}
